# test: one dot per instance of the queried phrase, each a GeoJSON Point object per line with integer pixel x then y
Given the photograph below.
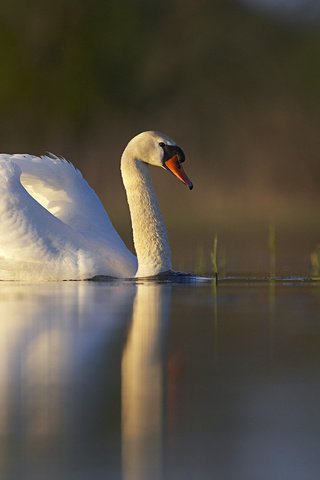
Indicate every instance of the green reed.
{"type": "Point", "coordinates": [214, 256]}
{"type": "Point", "coordinates": [199, 265]}
{"type": "Point", "coordinates": [315, 262]}
{"type": "Point", "coordinates": [201, 259]}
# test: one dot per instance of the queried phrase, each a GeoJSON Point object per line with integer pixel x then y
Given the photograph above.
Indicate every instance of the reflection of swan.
{"type": "Point", "coordinates": [53, 226]}
{"type": "Point", "coordinates": [60, 385]}
{"type": "Point", "coordinates": [142, 384]}
{"type": "Point", "coordinates": [65, 381]}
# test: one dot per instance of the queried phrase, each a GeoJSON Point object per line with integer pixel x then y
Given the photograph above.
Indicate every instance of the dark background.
{"type": "Point", "coordinates": [237, 87]}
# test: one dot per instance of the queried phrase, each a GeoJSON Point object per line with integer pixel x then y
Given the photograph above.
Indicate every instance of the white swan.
{"type": "Point", "coordinates": [54, 227]}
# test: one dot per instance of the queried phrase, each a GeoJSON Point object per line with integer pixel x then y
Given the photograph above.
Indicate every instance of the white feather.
{"type": "Point", "coordinates": [54, 227]}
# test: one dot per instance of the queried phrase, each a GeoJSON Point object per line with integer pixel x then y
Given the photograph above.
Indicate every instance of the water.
{"type": "Point", "coordinates": [160, 381]}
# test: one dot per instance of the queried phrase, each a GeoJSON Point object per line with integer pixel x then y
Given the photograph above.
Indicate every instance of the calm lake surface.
{"type": "Point", "coordinates": [160, 381]}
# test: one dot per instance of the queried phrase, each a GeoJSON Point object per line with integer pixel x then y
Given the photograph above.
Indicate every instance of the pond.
{"type": "Point", "coordinates": [160, 381]}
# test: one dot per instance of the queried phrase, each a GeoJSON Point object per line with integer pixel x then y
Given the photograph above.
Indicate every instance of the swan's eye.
{"type": "Point", "coordinates": [170, 151]}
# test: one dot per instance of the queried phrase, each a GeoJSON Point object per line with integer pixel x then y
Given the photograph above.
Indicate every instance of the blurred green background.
{"type": "Point", "coordinates": [237, 87]}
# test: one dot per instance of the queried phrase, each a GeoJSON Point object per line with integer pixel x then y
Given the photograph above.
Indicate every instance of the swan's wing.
{"type": "Point", "coordinates": [57, 185]}
{"type": "Point", "coordinates": [35, 244]}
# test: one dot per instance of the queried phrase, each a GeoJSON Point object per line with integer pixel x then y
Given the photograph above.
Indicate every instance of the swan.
{"type": "Point", "coordinates": [54, 227]}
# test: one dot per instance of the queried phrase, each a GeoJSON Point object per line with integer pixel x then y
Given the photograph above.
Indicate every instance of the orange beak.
{"type": "Point", "coordinates": [174, 165]}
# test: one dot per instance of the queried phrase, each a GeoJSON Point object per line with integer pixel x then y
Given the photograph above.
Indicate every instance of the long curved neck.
{"type": "Point", "coordinates": [149, 232]}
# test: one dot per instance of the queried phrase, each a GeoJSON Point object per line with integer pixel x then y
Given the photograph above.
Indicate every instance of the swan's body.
{"type": "Point", "coordinates": [54, 227]}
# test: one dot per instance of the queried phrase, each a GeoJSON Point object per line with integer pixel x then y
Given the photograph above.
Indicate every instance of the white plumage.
{"type": "Point", "coordinates": [54, 227]}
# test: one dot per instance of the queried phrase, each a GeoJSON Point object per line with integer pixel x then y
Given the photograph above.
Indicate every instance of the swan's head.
{"type": "Point", "coordinates": [158, 149]}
